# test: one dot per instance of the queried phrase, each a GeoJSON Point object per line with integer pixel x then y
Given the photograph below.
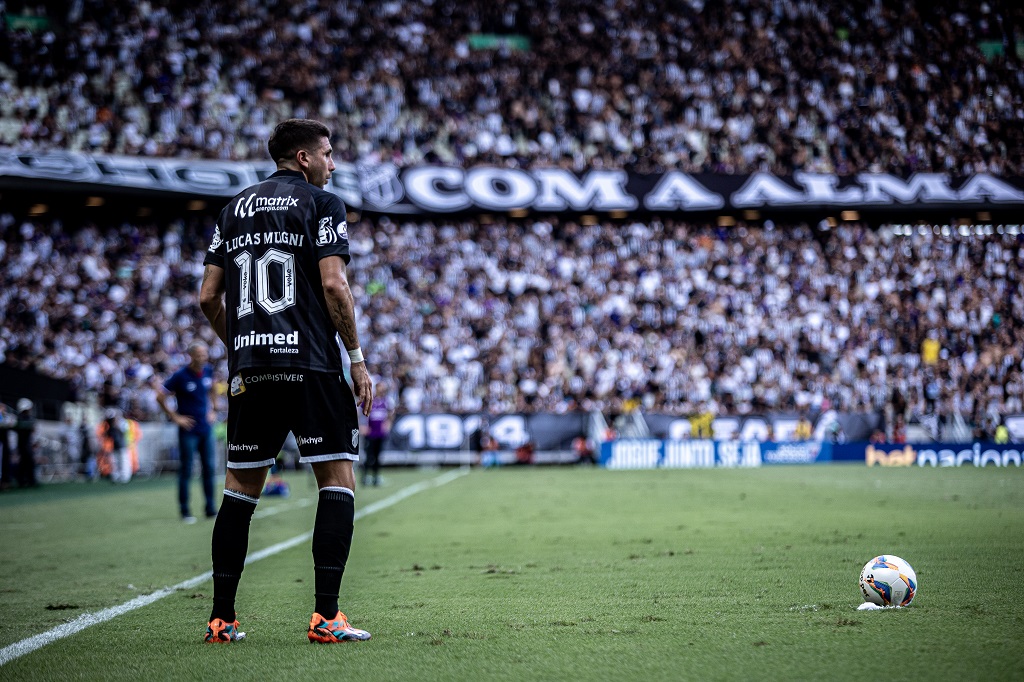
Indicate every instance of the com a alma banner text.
{"type": "Point", "coordinates": [432, 189]}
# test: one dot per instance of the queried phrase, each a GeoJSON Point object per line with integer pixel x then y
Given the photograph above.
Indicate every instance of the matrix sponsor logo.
{"type": "Point", "coordinates": [252, 204]}
{"type": "Point", "coordinates": [309, 440]}
{"type": "Point", "coordinates": [280, 343]}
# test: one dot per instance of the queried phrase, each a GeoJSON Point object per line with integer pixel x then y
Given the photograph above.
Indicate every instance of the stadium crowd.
{"type": "Point", "coordinates": [725, 87]}
{"type": "Point", "coordinates": [551, 315]}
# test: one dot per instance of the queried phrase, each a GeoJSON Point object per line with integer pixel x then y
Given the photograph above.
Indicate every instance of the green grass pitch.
{"type": "Point", "coordinates": [543, 574]}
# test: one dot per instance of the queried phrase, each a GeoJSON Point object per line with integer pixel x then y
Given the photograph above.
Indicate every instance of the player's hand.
{"type": "Point", "coordinates": [185, 422]}
{"type": "Point", "coordinates": [362, 386]}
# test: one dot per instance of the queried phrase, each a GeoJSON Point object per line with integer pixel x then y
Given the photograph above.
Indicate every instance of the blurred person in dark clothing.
{"type": "Point", "coordinates": [25, 428]}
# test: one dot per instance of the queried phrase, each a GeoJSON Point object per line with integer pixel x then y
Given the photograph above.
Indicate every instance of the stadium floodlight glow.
{"type": "Point", "coordinates": [850, 216]}
{"type": "Point", "coordinates": [94, 201]}
{"type": "Point", "coordinates": [196, 205]}
{"type": "Point", "coordinates": [38, 209]}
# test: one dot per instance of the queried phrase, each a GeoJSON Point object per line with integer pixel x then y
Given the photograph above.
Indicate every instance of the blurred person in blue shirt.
{"type": "Point", "coordinates": [192, 388]}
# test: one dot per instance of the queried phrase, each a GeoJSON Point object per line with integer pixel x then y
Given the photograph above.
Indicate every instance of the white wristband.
{"type": "Point", "coordinates": [356, 355]}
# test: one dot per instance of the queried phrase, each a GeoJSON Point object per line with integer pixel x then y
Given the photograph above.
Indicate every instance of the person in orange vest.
{"type": "Point", "coordinates": [133, 434]}
{"type": "Point", "coordinates": [113, 460]}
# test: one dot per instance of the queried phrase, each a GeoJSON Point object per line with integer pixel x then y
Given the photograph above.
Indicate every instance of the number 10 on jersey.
{"type": "Point", "coordinates": [286, 263]}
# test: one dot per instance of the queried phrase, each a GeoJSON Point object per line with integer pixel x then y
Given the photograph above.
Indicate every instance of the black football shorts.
{"type": "Point", "coordinates": [265, 404]}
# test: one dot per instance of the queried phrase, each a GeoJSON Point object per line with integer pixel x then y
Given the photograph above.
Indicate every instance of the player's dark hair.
{"type": "Point", "coordinates": [294, 134]}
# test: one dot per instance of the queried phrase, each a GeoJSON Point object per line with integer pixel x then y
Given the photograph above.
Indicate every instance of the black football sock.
{"type": "Point", "coordinates": [230, 543]}
{"type": "Point", "coordinates": [332, 538]}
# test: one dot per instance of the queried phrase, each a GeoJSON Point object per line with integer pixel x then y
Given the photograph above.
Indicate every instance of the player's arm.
{"type": "Point", "coordinates": [211, 300]}
{"type": "Point", "coordinates": [342, 308]}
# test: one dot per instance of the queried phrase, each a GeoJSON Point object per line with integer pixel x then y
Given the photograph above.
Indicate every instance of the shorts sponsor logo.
{"type": "Point", "coordinates": [237, 385]}
{"type": "Point", "coordinates": [309, 440]}
{"type": "Point", "coordinates": [275, 377]}
{"type": "Point", "coordinates": [275, 340]}
{"type": "Point", "coordinates": [242, 447]}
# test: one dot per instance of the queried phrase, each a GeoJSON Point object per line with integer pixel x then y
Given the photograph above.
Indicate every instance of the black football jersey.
{"type": "Point", "coordinates": [269, 240]}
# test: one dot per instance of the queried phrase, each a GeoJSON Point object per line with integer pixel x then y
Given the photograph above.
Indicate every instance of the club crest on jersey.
{"type": "Point", "coordinates": [237, 385]}
{"type": "Point", "coordinates": [355, 438]}
{"type": "Point", "coordinates": [326, 235]}
{"type": "Point", "coordinates": [216, 241]}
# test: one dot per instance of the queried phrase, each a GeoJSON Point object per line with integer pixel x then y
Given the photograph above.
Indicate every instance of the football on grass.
{"type": "Point", "coordinates": [888, 580]}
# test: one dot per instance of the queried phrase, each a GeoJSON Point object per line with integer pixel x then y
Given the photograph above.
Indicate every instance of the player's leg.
{"type": "Point", "coordinates": [332, 530]}
{"type": "Point", "coordinates": [231, 540]}
{"type": "Point", "coordinates": [255, 435]}
{"type": "Point", "coordinates": [186, 447]}
{"type": "Point", "coordinates": [328, 435]}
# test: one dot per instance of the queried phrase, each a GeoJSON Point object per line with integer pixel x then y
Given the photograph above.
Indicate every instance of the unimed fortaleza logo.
{"type": "Point", "coordinates": [280, 343]}
{"type": "Point", "coordinates": [943, 455]}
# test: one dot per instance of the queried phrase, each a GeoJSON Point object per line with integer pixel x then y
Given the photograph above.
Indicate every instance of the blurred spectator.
{"type": "Point", "coordinates": [8, 418]}
{"type": "Point", "coordinates": [804, 429]}
{"type": "Point", "coordinates": [548, 315]}
{"type": "Point", "coordinates": [378, 425]}
{"type": "Point", "coordinates": [899, 430]}
{"type": "Point", "coordinates": [114, 461]}
{"type": "Point", "coordinates": [726, 87]}
{"type": "Point", "coordinates": [25, 429]}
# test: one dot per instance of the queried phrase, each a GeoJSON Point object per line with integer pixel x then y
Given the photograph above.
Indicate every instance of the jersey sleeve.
{"type": "Point", "coordinates": [215, 254]}
{"type": "Point", "coordinates": [332, 227]}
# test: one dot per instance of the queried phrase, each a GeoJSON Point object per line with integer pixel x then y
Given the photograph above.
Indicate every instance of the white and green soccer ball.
{"type": "Point", "coordinates": [888, 580]}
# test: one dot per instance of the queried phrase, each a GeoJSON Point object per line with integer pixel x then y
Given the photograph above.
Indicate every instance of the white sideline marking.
{"type": "Point", "coordinates": [25, 646]}
{"type": "Point", "coordinates": [287, 506]}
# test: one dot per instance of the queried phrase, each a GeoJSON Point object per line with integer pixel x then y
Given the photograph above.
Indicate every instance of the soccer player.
{"type": "Point", "coordinates": [278, 256]}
